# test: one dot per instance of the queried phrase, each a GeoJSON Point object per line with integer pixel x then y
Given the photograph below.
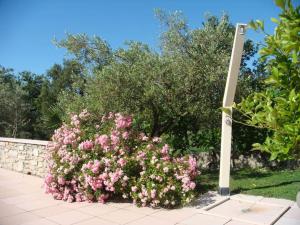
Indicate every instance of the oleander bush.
{"type": "Point", "coordinates": [97, 159]}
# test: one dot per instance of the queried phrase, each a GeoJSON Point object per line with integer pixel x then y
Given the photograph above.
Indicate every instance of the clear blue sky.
{"type": "Point", "coordinates": [28, 27]}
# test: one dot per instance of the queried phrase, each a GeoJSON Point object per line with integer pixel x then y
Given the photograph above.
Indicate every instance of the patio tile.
{"type": "Point", "coordinates": [293, 213]}
{"type": "Point", "coordinates": [73, 205]}
{"type": "Point", "coordinates": [143, 210]}
{"type": "Point", "coordinates": [230, 208]}
{"type": "Point", "coordinates": [70, 217]}
{"type": "Point", "coordinates": [51, 211]}
{"type": "Point", "coordinates": [19, 199]}
{"type": "Point", "coordinates": [175, 215]}
{"type": "Point", "coordinates": [121, 216]}
{"type": "Point", "coordinates": [276, 201]}
{"type": "Point", "coordinates": [287, 221]}
{"type": "Point", "coordinates": [295, 205]}
{"type": "Point", "coordinates": [19, 219]}
{"type": "Point", "coordinates": [36, 204]}
{"type": "Point", "coordinates": [10, 193]}
{"type": "Point", "coordinates": [40, 222]}
{"type": "Point", "coordinates": [97, 209]}
{"type": "Point", "coordinates": [261, 214]}
{"type": "Point", "coordinates": [243, 197]}
{"type": "Point", "coordinates": [149, 220]}
{"type": "Point", "coordinates": [234, 222]}
{"type": "Point", "coordinates": [204, 219]}
{"type": "Point", "coordinates": [120, 205]}
{"type": "Point", "coordinates": [9, 210]}
{"type": "Point", "coordinates": [96, 221]}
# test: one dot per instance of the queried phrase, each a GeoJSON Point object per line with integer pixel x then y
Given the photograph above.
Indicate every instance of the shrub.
{"type": "Point", "coordinates": [277, 107]}
{"type": "Point", "coordinates": [93, 159]}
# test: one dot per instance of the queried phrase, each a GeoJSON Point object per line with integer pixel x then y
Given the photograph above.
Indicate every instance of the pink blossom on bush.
{"type": "Point", "coordinates": [86, 145]}
{"type": "Point", "coordinates": [165, 149]}
{"type": "Point", "coordinates": [125, 135]}
{"type": "Point", "coordinates": [124, 162]}
{"type": "Point", "coordinates": [123, 121]}
{"type": "Point", "coordinates": [61, 180]}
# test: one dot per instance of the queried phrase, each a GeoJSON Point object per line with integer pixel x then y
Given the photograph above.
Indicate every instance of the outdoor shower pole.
{"type": "Point", "coordinates": [233, 72]}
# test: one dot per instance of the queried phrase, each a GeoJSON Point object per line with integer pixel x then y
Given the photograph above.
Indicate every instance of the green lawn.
{"type": "Point", "coordinates": [277, 184]}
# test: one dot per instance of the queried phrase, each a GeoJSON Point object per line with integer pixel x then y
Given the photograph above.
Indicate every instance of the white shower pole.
{"type": "Point", "coordinates": [233, 72]}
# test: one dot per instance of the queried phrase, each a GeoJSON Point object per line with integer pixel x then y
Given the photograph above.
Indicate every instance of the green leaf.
{"type": "Point", "coordinates": [260, 24]}
{"type": "Point", "coordinates": [274, 20]}
{"type": "Point", "coordinates": [252, 25]}
{"type": "Point", "coordinates": [280, 3]}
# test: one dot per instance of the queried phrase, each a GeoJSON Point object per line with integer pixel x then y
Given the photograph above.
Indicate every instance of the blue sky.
{"type": "Point", "coordinates": [27, 28]}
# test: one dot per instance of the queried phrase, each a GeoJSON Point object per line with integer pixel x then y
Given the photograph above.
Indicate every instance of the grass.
{"type": "Point", "coordinates": [277, 184]}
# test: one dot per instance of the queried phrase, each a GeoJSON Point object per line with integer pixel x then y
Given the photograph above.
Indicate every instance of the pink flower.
{"type": "Point", "coordinates": [103, 140]}
{"type": "Point", "coordinates": [48, 178]}
{"type": "Point", "coordinates": [143, 137]}
{"type": "Point", "coordinates": [102, 198]}
{"type": "Point", "coordinates": [84, 114]}
{"type": "Point", "coordinates": [192, 185]}
{"type": "Point", "coordinates": [61, 180]}
{"type": "Point", "coordinates": [86, 145]}
{"type": "Point", "coordinates": [75, 120]}
{"type": "Point", "coordinates": [165, 149]}
{"type": "Point", "coordinates": [156, 140]}
{"type": "Point", "coordinates": [153, 193]}
{"type": "Point", "coordinates": [125, 135]}
{"type": "Point", "coordinates": [123, 121]}
{"type": "Point", "coordinates": [114, 138]}
{"type": "Point", "coordinates": [122, 162]}
{"type": "Point", "coordinates": [134, 188]}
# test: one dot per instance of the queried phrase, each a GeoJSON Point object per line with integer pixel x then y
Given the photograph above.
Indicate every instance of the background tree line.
{"type": "Point", "coordinates": [175, 92]}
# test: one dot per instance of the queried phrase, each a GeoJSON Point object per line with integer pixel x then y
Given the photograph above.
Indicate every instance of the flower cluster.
{"type": "Point", "coordinates": [88, 162]}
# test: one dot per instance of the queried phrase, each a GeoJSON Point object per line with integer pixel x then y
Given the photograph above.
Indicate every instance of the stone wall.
{"type": "Point", "coordinates": [23, 155]}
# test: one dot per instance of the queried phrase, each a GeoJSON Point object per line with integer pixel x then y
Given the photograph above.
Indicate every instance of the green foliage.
{"type": "Point", "coordinates": [277, 107]}
{"type": "Point", "coordinates": [13, 105]}
{"type": "Point", "coordinates": [175, 93]}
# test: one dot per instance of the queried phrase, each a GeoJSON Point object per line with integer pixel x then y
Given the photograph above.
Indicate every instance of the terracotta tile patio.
{"type": "Point", "coordinates": [22, 202]}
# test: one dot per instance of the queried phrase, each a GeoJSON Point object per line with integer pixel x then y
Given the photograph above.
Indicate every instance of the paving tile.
{"type": "Point", "coordinates": [243, 197]}
{"type": "Point", "coordinates": [204, 219]}
{"type": "Point", "coordinates": [70, 217]}
{"type": "Point", "coordinates": [149, 220]}
{"type": "Point", "coordinates": [230, 208]}
{"type": "Point", "coordinates": [40, 222]}
{"type": "Point", "coordinates": [51, 211]}
{"type": "Point", "coordinates": [36, 204]}
{"type": "Point", "coordinates": [19, 219]}
{"type": "Point", "coordinates": [143, 210]}
{"type": "Point", "coordinates": [20, 198]}
{"type": "Point", "coordinates": [97, 209]}
{"type": "Point", "coordinates": [234, 222]}
{"type": "Point", "coordinates": [73, 205]}
{"type": "Point", "coordinates": [120, 205]}
{"type": "Point", "coordinates": [175, 215]}
{"type": "Point", "coordinates": [121, 216]}
{"type": "Point", "coordinates": [10, 193]}
{"type": "Point", "coordinates": [261, 213]}
{"type": "Point", "coordinates": [276, 201]}
{"type": "Point", "coordinates": [9, 210]}
{"type": "Point", "coordinates": [295, 205]}
{"type": "Point", "coordinates": [287, 221]}
{"type": "Point", "coordinates": [95, 221]}
{"type": "Point", "coordinates": [293, 213]}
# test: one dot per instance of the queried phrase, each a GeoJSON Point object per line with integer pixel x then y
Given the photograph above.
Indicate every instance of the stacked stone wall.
{"type": "Point", "coordinates": [23, 155]}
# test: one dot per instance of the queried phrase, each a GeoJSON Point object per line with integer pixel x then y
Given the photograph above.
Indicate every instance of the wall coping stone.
{"type": "Point", "coordinates": [24, 141]}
